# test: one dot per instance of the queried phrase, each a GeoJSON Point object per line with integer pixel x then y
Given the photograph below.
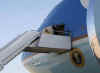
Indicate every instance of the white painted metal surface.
{"type": "Point", "coordinates": [12, 49]}
{"type": "Point", "coordinates": [55, 41]}
{"type": "Point", "coordinates": [93, 26]}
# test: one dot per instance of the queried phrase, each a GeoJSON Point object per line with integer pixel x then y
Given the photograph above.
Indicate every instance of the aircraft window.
{"type": "Point", "coordinates": [55, 29]}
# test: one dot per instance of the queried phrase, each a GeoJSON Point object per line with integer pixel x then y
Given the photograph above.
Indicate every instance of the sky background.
{"type": "Point", "coordinates": [17, 16]}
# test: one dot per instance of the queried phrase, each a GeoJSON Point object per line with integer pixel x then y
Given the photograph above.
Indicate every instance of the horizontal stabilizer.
{"type": "Point", "coordinates": [16, 46]}
{"type": "Point", "coordinates": [28, 42]}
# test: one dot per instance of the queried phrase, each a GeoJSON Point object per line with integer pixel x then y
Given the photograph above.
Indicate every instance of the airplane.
{"type": "Point", "coordinates": [66, 42]}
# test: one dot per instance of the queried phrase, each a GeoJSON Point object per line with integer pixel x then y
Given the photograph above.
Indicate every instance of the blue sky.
{"type": "Point", "coordinates": [17, 16]}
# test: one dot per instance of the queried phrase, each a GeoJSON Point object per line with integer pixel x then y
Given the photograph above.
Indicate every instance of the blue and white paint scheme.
{"type": "Point", "coordinates": [66, 42]}
{"type": "Point", "coordinates": [72, 14]}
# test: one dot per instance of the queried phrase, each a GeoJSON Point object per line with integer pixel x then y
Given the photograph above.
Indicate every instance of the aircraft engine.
{"type": "Point", "coordinates": [93, 26]}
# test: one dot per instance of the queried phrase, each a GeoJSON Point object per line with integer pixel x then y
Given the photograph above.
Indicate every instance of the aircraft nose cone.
{"type": "Point", "coordinates": [93, 26]}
